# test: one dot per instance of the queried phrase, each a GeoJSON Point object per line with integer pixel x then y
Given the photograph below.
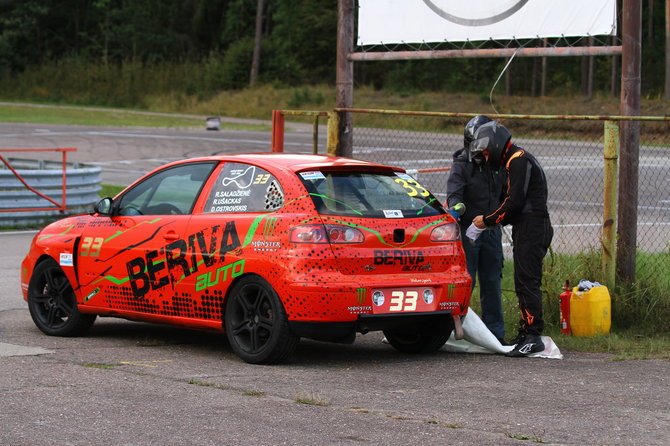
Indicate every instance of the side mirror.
{"type": "Point", "coordinates": [104, 206]}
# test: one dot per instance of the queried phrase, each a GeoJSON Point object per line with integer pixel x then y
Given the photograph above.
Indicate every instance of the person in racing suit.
{"type": "Point", "coordinates": [524, 207]}
{"type": "Point", "coordinates": [474, 188]}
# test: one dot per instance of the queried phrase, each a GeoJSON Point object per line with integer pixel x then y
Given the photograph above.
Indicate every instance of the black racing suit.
{"type": "Point", "coordinates": [480, 188]}
{"type": "Point", "coordinates": [525, 208]}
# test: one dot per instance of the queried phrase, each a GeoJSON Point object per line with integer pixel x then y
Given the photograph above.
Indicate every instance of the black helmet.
{"type": "Point", "coordinates": [469, 133]}
{"type": "Point", "coordinates": [471, 127]}
{"type": "Point", "coordinates": [493, 137]}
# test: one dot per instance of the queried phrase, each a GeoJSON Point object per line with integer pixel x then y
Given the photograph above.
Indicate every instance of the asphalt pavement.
{"type": "Point", "coordinates": [128, 383]}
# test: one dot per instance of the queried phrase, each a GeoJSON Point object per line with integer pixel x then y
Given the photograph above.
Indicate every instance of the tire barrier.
{"type": "Point", "coordinates": [83, 186]}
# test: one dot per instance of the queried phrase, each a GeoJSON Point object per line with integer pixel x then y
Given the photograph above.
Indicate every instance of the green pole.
{"type": "Point", "coordinates": [611, 160]}
{"type": "Point", "coordinates": [333, 133]}
{"type": "Point", "coordinates": [315, 135]}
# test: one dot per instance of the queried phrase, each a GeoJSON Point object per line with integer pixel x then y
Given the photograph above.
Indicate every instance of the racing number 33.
{"type": "Point", "coordinates": [403, 301]}
{"type": "Point", "coordinates": [91, 246]}
{"type": "Point", "coordinates": [412, 186]}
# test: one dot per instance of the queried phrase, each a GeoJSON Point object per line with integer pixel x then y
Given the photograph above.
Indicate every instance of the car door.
{"type": "Point", "coordinates": [132, 259]}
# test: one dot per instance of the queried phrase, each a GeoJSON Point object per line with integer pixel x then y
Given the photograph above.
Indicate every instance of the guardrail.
{"type": "Point", "coordinates": [59, 206]}
{"type": "Point", "coordinates": [34, 190]}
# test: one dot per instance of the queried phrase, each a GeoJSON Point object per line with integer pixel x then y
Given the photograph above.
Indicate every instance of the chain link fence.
{"type": "Point", "coordinates": [571, 152]}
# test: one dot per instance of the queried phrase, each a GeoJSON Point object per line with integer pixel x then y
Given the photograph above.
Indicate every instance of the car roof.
{"type": "Point", "coordinates": [294, 162]}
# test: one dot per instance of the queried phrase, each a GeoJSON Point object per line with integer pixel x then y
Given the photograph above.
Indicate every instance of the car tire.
{"type": "Point", "coordinates": [413, 340]}
{"type": "Point", "coordinates": [52, 302]}
{"type": "Point", "coordinates": [256, 323]}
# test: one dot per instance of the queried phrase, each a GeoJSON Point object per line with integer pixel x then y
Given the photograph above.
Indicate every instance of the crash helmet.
{"type": "Point", "coordinates": [472, 126]}
{"type": "Point", "coordinates": [469, 132]}
{"type": "Point", "coordinates": [491, 136]}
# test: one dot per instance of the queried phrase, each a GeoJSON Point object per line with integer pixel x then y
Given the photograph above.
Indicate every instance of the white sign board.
{"type": "Point", "coordinates": [416, 21]}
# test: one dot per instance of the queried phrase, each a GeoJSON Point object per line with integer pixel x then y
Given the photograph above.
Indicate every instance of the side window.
{"type": "Point", "coordinates": [244, 188]}
{"type": "Point", "coordinates": [172, 191]}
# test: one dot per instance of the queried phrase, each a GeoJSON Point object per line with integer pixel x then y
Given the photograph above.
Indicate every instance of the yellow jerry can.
{"type": "Point", "coordinates": [590, 311]}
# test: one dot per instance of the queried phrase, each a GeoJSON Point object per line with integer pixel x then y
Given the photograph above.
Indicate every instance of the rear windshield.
{"type": "Point", "coordinates": [369, 194]}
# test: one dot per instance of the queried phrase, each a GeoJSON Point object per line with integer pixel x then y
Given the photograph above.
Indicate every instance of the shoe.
{"type": "Point", "coordinates": [531, 344]}
{"type": "Point", "coordinates": [518, 339]}
{"type": "Point", "coordinates": [503, 341]}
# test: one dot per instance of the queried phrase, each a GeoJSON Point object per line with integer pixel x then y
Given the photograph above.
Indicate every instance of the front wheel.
{"type": "Point", "coordinates": [256, 323]}
{"type": "Point", "coordinates": [52, 303]}
{"type": "Point", "coordinates": [418, 340]}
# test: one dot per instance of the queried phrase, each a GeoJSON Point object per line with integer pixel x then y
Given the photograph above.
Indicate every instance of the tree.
{"type": "Point", "coordinates": [667, 49]}
{"type": "Point", "coordinates": [257, 43]}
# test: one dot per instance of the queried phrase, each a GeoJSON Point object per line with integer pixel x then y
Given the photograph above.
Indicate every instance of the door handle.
{"type": "Point", "coordinates": [170, 236]}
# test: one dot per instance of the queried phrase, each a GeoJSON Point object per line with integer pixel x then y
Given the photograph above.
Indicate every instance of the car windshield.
{"type": "Point", "coordinates": [369, 194]}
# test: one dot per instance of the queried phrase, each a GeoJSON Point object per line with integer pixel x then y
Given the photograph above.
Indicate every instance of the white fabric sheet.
{"type": "Point", "coordinates": [478, 339]}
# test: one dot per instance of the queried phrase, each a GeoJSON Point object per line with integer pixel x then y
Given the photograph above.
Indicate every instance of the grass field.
{"type": "Point", "coordinates": [67, 115]}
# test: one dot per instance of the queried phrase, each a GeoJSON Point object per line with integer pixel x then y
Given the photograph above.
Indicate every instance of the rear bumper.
{"type": "Point", "coordinates": [345, 332]}
{"type": "Point", "coordinates": [348, 301]}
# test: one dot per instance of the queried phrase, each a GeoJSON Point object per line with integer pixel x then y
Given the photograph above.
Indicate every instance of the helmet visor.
{"type": "Point", "coordinates": [477, 146]}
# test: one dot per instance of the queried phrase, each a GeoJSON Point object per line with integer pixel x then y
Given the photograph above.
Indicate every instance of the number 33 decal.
{"type": "Point", "coordinates": [413, 188]}
{"type": "Point", "coordinates": [403, 301]}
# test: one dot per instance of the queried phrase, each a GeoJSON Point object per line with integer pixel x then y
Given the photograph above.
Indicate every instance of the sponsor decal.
{"type": "Point", "coordinates": [270, 226]}
{"type": "Point", "coordinates": [449, 305]}
{"type": "Point", "coordinates": [393, 213]}
{"type": "Point", "coordinates": [264, 245]}
{"type": "Point", "coordinates": [158, 268]}
{"type": "Point", "coordinates": [360, 309]}
{"type": "Point", "coordinates": [310, 176]}
{"type": "Point", "coordinates": [221, 274]}
{"type": "Point", "coordinates": [92, 294]}
{"type": "Point", "coordinates": [66, 259]}
{"type": "Point", "coordinates": [360, 292]}
{"type": "Point", "coordinates": [409, 259]}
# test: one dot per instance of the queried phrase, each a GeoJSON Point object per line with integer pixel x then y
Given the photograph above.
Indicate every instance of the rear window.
{"type": "Point", "coordinates": [369, 194]}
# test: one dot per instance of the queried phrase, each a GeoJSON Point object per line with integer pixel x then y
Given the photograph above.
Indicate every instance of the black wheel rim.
{"type": "Point", "coordinates": [52, 298]}
{"type": "Point", "coordinates": [252, 318]}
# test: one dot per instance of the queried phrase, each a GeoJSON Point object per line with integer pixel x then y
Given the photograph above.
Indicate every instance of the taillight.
{"type": "Point", "coordinates": [326, 234]}
{"type": "Point", "coordinates": [449, 232]}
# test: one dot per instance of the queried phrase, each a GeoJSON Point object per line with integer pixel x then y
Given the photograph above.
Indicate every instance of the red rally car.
{"type": "Point", "coordinates": [267, 248]}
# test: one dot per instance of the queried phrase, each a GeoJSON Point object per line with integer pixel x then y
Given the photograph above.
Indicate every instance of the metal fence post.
{"type": "Point", "coordinates": [277, 131]}
{"type": "Point", "coordinates": [333, 133]}
{"type": "Point", "coordinates": [611, 167]}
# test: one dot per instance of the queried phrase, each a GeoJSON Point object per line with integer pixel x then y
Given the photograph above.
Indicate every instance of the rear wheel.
{"type": "Point", "coordinates": [256, 323]}
{"type": "Point", "coordinates": [417, 339]}
{"type": "Point", "coordinates": [52, 303]}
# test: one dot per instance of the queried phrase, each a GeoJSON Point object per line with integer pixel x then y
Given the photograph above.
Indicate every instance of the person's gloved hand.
{"type": "Point", "coordinates": [457, 210]}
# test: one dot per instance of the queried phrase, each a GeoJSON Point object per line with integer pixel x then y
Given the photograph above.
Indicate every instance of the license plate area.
{"type": "Point", "coordinates": [403, 300]}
